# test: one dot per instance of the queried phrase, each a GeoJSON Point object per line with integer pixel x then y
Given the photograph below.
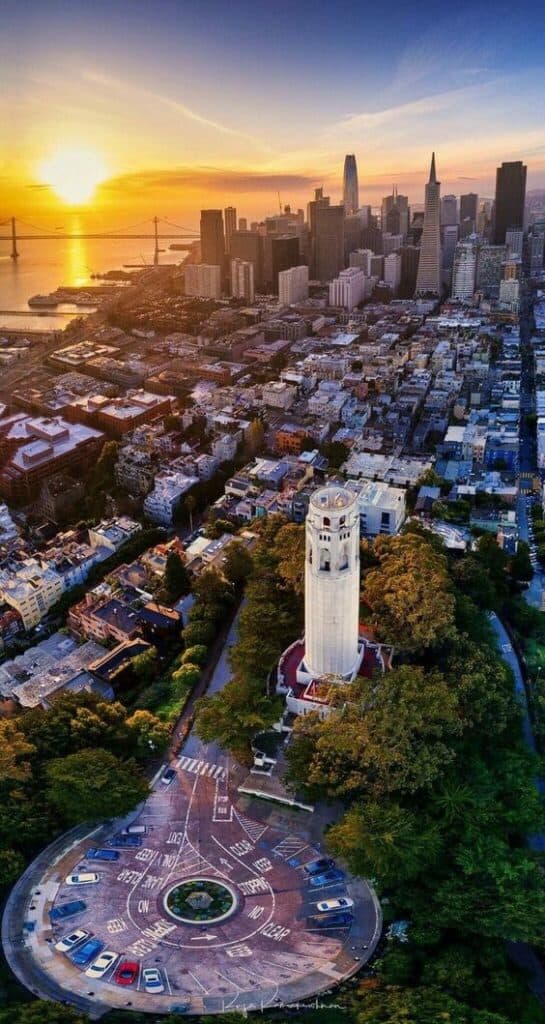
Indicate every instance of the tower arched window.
{"type": "Point", "coordinates": [325, 560]}
{"type": "Point", "coordinates": [343, 558]}
{"type": "Point", "coordinates": [326, 521]}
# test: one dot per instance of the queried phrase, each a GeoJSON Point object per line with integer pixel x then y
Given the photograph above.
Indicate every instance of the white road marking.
{"type": "Point", "coordinates": [198, 767]}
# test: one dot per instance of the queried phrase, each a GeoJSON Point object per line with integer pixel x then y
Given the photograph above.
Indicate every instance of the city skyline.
{"type": "Point", "coordinates": [173, 118]}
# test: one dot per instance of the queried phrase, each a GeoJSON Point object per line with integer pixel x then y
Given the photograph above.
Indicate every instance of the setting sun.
{"type": "Point", "coordinates": [73, 173]}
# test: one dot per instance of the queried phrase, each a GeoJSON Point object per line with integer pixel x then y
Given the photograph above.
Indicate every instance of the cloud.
{"type": "Point", "coordinates": [148, 95]}
{"type": "Point", "coordinates": [206, 179]}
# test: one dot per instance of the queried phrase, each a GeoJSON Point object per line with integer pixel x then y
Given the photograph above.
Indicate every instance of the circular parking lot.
{"type": "Point", "coordinates": [207, 904]}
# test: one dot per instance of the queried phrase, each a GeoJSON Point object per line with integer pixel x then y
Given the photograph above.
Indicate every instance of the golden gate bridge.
{"type": "Point", "coordinates": [15, 236]}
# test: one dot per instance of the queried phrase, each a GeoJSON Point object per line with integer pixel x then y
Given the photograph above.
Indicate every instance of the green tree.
{"type": "Point", "coordinates": [185, 678]}
{"type": "Point", "coordinates": [144, 666]}
{"type": "Point", "coordinates": [196, 655]}
{"type": "Point", "coordinates": [290, 543]}
{"type": "Point", "coordinates": [92, 785]}
{"type": "Point", "coordinates": [42, 1012]}
{"type": "Point", "coordinates": [255, 437]}
{"type": "Point", "coordinates": [198, 632]}
{"type": "Point", "coordinates": [473, 578]}
{"type": "Point", "coordinates": [410, 593]}
{"type": "Point", "coordinates": [237, 563]}
{"type": "Point", "coordinates": [148, 734]}
{"type": "Point", "coordinates": [190, 504]}
{"type": "Point", "coordinates": [177, 580]}
{"type": "Point", "coordinates": [391, 1005]}
{"type": "Point", "coordinates": [520, 566]}
{"type": "Point", "coordinates": [15, 752]}
{"type": "Point", "coordinates": [235, 715]}
{"type": "Point", "coordinates": [102, 477]}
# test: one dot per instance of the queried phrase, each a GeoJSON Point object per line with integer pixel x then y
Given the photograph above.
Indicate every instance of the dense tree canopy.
{"type": "Point", "coordinates": [410, 594]}
{"type": "Point", "coordinates": [93, 785]}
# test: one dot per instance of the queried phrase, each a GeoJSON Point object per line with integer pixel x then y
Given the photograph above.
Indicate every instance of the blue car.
{"type": "Point", "coordinates": [328, 877]}
{"type": "Point", "coordinates": [84, 954]}
{"type": "Point", "coordinates": [330, 920]}
{"type": "Point", "coordinates": [101, 854]}
{"type": "Point", "coordinates": [67, 910]}
{"type": "Point", "coordinates": [125, 841]}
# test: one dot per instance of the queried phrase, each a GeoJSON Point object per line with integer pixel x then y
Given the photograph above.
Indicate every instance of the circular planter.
{"type": "Point", "coordinates": [200, 901]}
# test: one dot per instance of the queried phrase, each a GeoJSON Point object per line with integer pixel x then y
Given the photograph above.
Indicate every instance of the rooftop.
{"type": "Point", "coordinates": [332, 498]}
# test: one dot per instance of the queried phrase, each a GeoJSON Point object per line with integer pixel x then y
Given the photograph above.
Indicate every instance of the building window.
{"type": "Point", "coordinates": [325, 560]}
{"type": "Point", "coordinates": [326, 521]}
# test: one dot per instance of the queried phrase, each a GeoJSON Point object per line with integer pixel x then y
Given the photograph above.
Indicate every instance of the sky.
{"type": "Point", "coordinates": [190, 104]}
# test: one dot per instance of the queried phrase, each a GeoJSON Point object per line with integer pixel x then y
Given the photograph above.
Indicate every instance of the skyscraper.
{"type": "Point", "coordinates": [350, 184]}
{"type": "Point", "coordinates": [469, 208]}
{"type": "Point", "coordinates": [428, 281]}
{"type": "Point", "coordinates": [212, 238]}
{"type": "Point", "coordinates": [329, 242]}
{"type": "Point", "coordinates": [395, 213]}
{"type": "Point", "coordinates": [230, 225]}
{"type": "Point", "coordinates": [284, 255]}
{"type": "Point", "coordinates": [465, 270]}
{"type": "Point", "coordinates": [510, 197]}
{"type": "Point", "coordinates": [449, 210]}
{"type": "Point", "coordinates": [242, 280]}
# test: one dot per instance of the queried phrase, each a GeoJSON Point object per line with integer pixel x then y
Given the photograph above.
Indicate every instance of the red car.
{"type": "Point", "coordinates": [126, 972]}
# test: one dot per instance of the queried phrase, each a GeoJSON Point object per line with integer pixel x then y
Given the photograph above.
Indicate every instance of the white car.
{"type": "Point", "coordinates": [63, 945]}
{"type": "Point", "coordinates": [102, 964]}
{"type": "Point", "coordinates": [341, 903]}
{"type": "Point", "coordinates": [83, 878]}
{"type": "Point", "coordinates": [134, 830]}
{"type": "Point", "coordinates": [153, 981]}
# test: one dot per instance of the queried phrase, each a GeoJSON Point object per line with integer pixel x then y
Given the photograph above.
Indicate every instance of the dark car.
{"type": "Point", "coordinates": [317, 867]}
{"type": "Point", "coordinates": [126, 972]}
{"type": "Point", "coordinates": [101, 854]}
{"type": "Point", "coordinates": [84, 954]}
{"type": "Point", "coordinates": [67, 910]}
{"type": "Point", "coordinates": [168, 776]}
{"type": "Point", "coordinates": [327, 878]}
{"type": "Point", "coordinates": [123, 841]}
{"type": "Point", "coordinates": [330, 920]}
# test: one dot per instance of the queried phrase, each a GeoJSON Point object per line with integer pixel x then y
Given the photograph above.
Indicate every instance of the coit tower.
{"type": "Point", "coordinates": [332, 583]}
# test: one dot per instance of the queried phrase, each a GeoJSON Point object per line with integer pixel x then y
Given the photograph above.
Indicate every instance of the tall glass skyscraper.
{"type": "Point", "coordinates": [510, 197]}
{"type": "Point", "coordinates": [428, 281]}
{"type": "Point", "coordinates": [350, 185]}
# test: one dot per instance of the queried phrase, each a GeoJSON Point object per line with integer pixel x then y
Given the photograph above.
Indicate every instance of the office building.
{"type": "Point", "coordinates": [392, 271]}
{"type": "Point", "coordinates": [514, 239]}
{"type": "Point", "coordinates": [212, 238]}
{"type": "Point", "coordinates": [329, 242]}
{"type": "Point", "coordinates": [469, 209]}
{"type": "Point", "coordinates": [242, 224]}
{"type": "Point", "coordinates": [354, 225]}
{"type": "Point", "coordinates": [490, 269]}
{"type": "Point", "coordinates": [428, 281]}
{"type": "Point", "coordinates": [284, 255]}
{"type": "Point", "coordinates": [203, 280]}
{"type": "Point", "coordinates": [391, 243]}
{"type": "Point", "coordinates": [350, 185]}
{"type": "Point", "coordinates": [293, 285]}
{"type": "Point", "coordinates": [230, 225]}
{"type": "Point", "coordinates": [450, 240]}
{"type": "Point", "coordinates": [248, 245]}
{"type": "Point", "coordinates": [242, 280]}
{"type": "Point", "coordinates": [536, 251]}
{"type": "Point", "coordinates": [348, 289]}
{"type": "Point", "coordinates": [510, 199]}
{"type": "Point", "coordinates": [410, 255]}
{"type": "Point", "coordinates": [510, 294]}
{"type": "Point", "coordinates": [395, 213]}
{"type": "Point", "coordinates": [449, 210]}
{"type": "Point", "coordinates": [360, 258]}
{"type": "Point", "coordinates": [464, 271]}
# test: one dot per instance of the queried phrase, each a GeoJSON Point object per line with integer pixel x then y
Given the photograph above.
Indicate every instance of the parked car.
{"type": "Point", "coordinates": [87, 952]}
{"type": "Point", "coordinates": [341, 903]}
{"type": "Point", "coordinates": [153, 980]}
{"type": "Point", "coordinates": [168, 776]}
{"type": "Point", "coordinates": [134, 830]}
{"type": "Point", "coordinates": [126, 972]}
{"type": "Point", "coordinates": [102, 854]}
{"type": "Point", "coordinates": [317, 867]}
{"type": "Point", "coordinates": [124, 841]}
{"type": "Point", "coordinates": [71, 940]}
{"type": "Point", "coordinates": [330, 920]}
{"type": "Point", "coordinates": [82, 878]}
{"type": "Point", "coordinates": [67, 910]}
{"type": "Point", "coordinates": [102, 964]}
{"type": "Point", "coordinates": [328, 878]}
{"type": "Point", "coordinates": [181, 1007]}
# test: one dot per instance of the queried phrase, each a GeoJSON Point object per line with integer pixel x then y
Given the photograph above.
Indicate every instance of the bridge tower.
{"type": "Point", "coordinates": [14, 253]}
{"type": "Point", "coordinates": [156, 232]}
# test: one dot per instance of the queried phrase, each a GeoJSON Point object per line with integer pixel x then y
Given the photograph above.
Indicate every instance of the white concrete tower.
{"type": "Point", "coordinates": [332, 584]}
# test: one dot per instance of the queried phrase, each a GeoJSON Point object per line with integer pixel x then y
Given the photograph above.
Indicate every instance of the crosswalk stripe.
{"type": "Point", "coordinates": [190, 764]}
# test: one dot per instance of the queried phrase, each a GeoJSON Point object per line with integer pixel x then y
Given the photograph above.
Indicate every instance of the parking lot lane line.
{"type": "Point", "coordinates": [203, 989]}
{"type": "Point", "coordinates": [167, 981]}
{"type": "Point", "coordinates": [139, 982]}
